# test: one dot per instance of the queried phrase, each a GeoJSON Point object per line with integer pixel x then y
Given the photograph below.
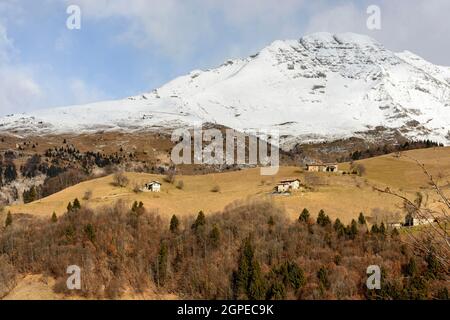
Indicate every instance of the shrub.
{"type": "Point", "coordinates": [137, 188]}
{"type": "Point", "coordinates": [216, 188]}
{"type": "Point", "coordinates": [120, 180]}
{"type": "Point", "coordinates": [87, 195]}
{"type": "Point", "coordinates": [358, 168]}
{"type": "Point", "coordinates": [170, 176]}
{"type": "Point", "coordinates": [180, 185]}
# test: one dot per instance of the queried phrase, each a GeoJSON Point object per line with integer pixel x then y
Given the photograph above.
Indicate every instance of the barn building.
{"type": "Point", "coordinates": [287, 185]}
{"type": "Point", "coordinates": [322, 167]}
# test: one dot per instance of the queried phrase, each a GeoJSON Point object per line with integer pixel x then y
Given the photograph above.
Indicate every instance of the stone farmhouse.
{"type": "Point", "coordinates": [417, 220]}
{"type": "Point", "coordinates": [287, 185]}
{"type": "Point", "coordinates": [322, 167]}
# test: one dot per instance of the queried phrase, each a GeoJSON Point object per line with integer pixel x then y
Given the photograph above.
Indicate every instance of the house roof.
{"type": "Point", "coordinates": [288, 180]}
{"type": "Point", "coordinates": [154, 182]}
{"type": "Point", "coordinates": [322, 164]}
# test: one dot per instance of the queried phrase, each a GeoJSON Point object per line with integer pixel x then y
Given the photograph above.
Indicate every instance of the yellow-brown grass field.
{"type": "Point", "coordinates": [342, 196]}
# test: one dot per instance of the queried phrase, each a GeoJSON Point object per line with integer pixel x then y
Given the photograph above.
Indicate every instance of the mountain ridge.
{"type": "Point", "coordinates": [321, 87]}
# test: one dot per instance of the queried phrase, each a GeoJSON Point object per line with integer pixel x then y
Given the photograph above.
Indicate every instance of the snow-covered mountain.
{"type": "Point", "coordinates": [321, 87]}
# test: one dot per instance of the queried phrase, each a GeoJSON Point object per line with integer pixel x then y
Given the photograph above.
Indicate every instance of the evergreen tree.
{"type": "Point", "coordinates": [432, 265]}
{"type": "Point", "coordinates": [292, 275]}
{"type": "Point", "coordinates": [248, 279]}
{"type": "Point", "coordinates": [30, 195]}
{"type": "Point", "coordinates": [374, 229]}
{"type": "Point", "coordinates": [174, 224]}
{"type": "Point", "coordinates": [257, 288]}
{"type": "Point", "coordinates": [10, 172]}
{"type": "Point", "coordinates": [416, 289]}
{"type": "Point", "coordinates": [90, 232]}
{"type": "Point", "coordinates": [244, 265]}
{"type": "Point", "coordinates": [323, 219]}
{"type": "Point", "coordinates": [352, 229]}
{"type": "Point", "coordinates": [54, 217]}
{"type": "Point", "coordinates": [410, 268]}
{"type": "Point", "coordinates": [135, 206]}
{"type": "Point", "coordinates": [395, 233]}
{"type": "Point", "coordinates": [9, 219]}
{"type": "Point", "coordinates": [277, 291]}
{"type": "Point", "coordinates": [382, 229]}
{"type": "Point", "coordinates": [161, 265]}
{"type": "Point", "coordinates": [339, 227]}
{"type": "Point", "coordinates": [361, 219]}
{"type": "Point", "coordinates": [304, 216]}
{"type": "Point", "coordinates": [199, 222]}
{"type": "Point", "coordinates": [322, 275]}
{"type": "Point", "coordinates": [214, 237]}
{"type": "Point", "coordinates": [138, 208]}
{"type": "Point", "coordinates": [69, 207]}
{"type": "Point", "coordinates": [443, 294]}
{"type": "Point", "coordinates": [76, 204]}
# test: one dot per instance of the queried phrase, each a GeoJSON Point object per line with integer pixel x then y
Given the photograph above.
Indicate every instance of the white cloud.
{"type": "Point", "coordinates": [340, 18]}
{"type": "Point", "coordinates": [415, 25]}
{"type": "Point", "coordinates": [82, 93]}
{"type": "Point", "coordinates": [174, 27]}
{"type": "Point", "coordinates": [6, 46]}
{"type": "Point", "coordinates": [181, 28]}
{"type": "Point", "coordinates": [18, 89]}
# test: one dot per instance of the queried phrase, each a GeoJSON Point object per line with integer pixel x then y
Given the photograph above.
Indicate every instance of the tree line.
{"type": "Point", "coordinates": [250, 250]}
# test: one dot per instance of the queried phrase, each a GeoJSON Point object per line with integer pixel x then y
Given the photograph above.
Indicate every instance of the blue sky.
{"type": "Point", "coordinates": [126, 47]}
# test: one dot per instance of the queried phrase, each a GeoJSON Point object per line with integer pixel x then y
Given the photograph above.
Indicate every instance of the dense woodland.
{"type": "Point", "coordinates": [250, 250]}
{"type": "Point", "coordinates": [388, 148]}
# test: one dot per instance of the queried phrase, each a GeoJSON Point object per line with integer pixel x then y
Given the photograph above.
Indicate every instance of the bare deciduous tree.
{"type": "Point", "coordinates": [7, 276]}
{"type": "Point", "coordinates": [359, 168]}
{"type": "Point", "coordinates": [120, 179]}
{"type": "Point", "coordinates": [434, 237]}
